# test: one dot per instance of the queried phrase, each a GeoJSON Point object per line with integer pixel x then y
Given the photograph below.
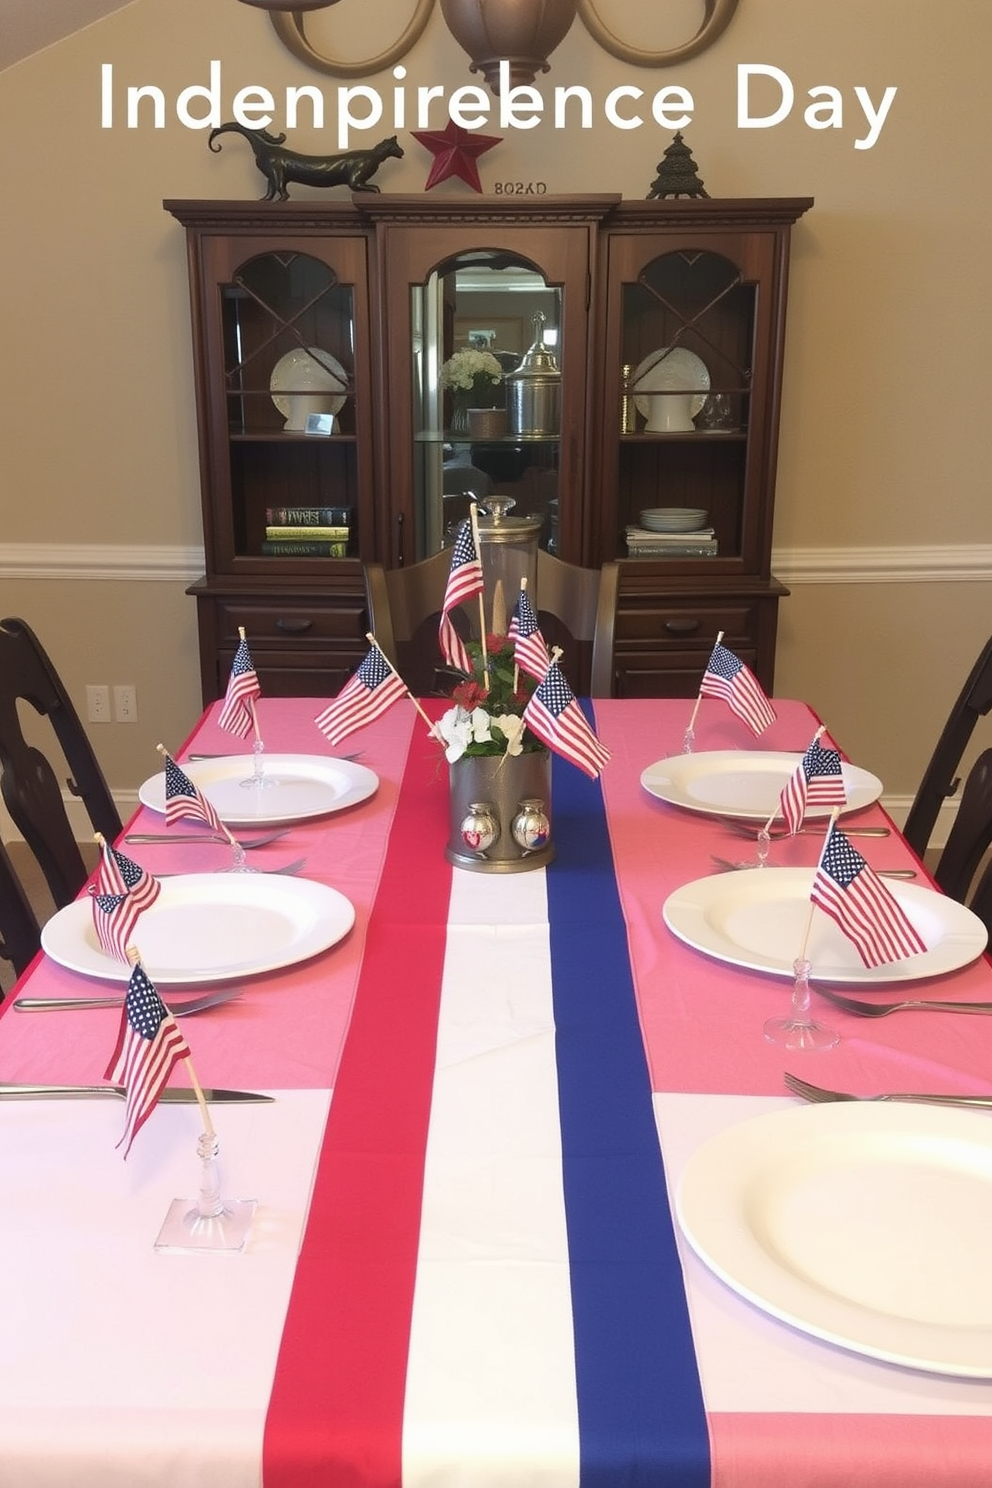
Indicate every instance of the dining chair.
{"type": "Point", "coordinates": [941, 778]}
{"type": "Point", "coordinates": [576, 609]}
{"type": "Point", "coordinates": [28, 779]}
{"type": "Point", "coordinates": [20, 934]}
{"type": "Point", "coordinates": [970, 836]}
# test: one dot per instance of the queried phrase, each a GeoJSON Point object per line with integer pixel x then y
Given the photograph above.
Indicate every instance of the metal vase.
{"type": "Point", "coordinates": [492, 791]}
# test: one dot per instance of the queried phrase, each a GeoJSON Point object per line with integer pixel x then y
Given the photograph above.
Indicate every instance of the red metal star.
{"type": "Point", "coordinates": [455, 152]}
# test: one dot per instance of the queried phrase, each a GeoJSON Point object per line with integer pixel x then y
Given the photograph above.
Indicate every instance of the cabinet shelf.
{"type": "Point", "coordinates": [290, 436]}
{"type": "Point", "coordinates": [686, 436]}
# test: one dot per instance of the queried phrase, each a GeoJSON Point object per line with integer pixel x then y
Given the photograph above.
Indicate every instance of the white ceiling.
{"type": "Point", "coordinates": [28, 26]}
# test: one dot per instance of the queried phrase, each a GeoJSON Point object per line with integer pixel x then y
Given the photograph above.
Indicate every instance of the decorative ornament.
{"type": "Point", "coordinates": [526, 30]}
{"type": "Point", "coordinates": [523, 32]}
{"type": "Point", "coordinates": [455, 152]}
{"type": "Point", "coordinates": [677, 174]}
{"type": "Point", "coordinates": [280, 166]}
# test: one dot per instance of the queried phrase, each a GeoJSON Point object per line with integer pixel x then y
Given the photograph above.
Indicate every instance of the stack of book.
{"type": "Point", "coordinates": [307, 531]}
{"type": "Point", "coordinates": [643, 543]}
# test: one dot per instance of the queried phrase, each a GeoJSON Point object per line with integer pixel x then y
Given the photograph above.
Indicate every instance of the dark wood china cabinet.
{"type": "Point", "coordinates": [320, 329]}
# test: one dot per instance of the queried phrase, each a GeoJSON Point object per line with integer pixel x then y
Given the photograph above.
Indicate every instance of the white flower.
{"type": "Point", "coordinates": [511, 726]}
{"type": "Point", "coordinates": [455, 728]}
{"type": "Point", "coordinates": [465, 368]}
{"type": "Point", "coordinates": [480, 726]}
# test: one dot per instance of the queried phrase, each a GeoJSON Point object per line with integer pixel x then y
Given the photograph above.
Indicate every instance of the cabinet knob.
{"type": "Point", "coordinates": [294, 627]}
{"type": "Point", "coordinates": [688, 626]}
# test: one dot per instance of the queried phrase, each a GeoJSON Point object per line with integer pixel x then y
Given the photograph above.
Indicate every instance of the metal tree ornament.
{"type": "Point", "coordinates": [522, 32]}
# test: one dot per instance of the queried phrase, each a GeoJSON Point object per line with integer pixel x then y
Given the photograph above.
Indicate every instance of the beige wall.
{"type": "Point", "coordinates": [884, 526]}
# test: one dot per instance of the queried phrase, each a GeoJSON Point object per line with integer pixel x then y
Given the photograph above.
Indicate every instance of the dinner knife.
{"type": "Point", "coordinates": [180, 1006]}
{"type": "Point", "coordinates": [171, 1095]}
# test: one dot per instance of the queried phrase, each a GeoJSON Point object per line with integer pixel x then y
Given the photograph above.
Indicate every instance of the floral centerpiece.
{"type": "Point", "coordinates": [487, 717]}
{"type": "Point", "coordinates": [472, 378]}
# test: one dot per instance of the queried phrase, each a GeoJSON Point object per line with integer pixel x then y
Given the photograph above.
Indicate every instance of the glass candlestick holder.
{"type": "Point", "coordinates": [208, 1222]}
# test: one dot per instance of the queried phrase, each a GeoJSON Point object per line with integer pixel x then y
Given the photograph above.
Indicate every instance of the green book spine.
{"type": "Point", "coordinates": [304, 549]}
{"type": "Point", "coordinates": [333, 534]}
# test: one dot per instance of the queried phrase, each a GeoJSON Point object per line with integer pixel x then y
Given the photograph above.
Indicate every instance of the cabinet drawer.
{"type": "Point", "coordinates": [292, 624]}
{"type": "Point", "coordinates": [694, 623]}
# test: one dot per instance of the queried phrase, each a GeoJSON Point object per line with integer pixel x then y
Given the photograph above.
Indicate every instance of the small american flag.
{"type": "Point", "coordinates": [149, 1045]}
{"type": "Point", "coordinates": [373, 689]}
{"type": "Point", "coordinates": [727, 677]}
{"type": "Point", "coordinates": [818, 780]}
{"type": "Point", "coordinates": [853, 895]}
{"type": "Point", "coordinates": [464, 581]}
{"type": "Point", "coordinates": [184, 799]}
{"type": "Point", "coordinates": [242, 688]}
{"type": "Point", "coordinates": [530, 650]}
{"type": "Point", "coordinates": [556, 718]}
{"type": "Point", "coordinates": [114, 919]}
{"type": "Point", "coordinates": [118, 874]}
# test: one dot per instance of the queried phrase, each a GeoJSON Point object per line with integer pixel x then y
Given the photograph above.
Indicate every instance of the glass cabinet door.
{"type": "Point", "coordinates": [478, 317]}
{"type": "Point", "coordinates": [689, 342]}
{"type": "Point", "coordinates": [289, 442]}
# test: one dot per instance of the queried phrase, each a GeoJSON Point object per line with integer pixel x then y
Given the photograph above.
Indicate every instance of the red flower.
{"type": "Point", "coordinates": [469, 695]}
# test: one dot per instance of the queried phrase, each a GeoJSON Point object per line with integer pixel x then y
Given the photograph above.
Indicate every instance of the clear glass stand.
{"type": "Point", "coordinates": [688, 740]}
{"type": "Point", "coordinates": [258, 780]}
{"type": "Point", "coordinates": [799, 1030]}
{"type": "Point", "coordinates": [208, 1222]}
{"type": "Point", "coordinates": [240, 863]}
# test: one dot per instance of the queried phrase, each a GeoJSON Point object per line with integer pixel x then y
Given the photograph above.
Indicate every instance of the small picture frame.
{"type": "Point", "coordinates": [482, 340]}
{"type": "Point", "coordinates": [321, 424]}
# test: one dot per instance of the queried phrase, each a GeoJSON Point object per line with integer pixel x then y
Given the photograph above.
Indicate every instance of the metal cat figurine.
{"type": "Point", "coordinates": [280, 166]}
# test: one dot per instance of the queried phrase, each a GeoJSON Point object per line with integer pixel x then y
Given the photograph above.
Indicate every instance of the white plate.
{"type": "Point", "coordinates": [307, 380]}
{"type": "Point", "coordinates": [757, 919]}
{"type": "Point", "coordinates": [307, 785]}
{"type": "Point", "coordinates": [207, 927]}
{"type": "Point", "coordinates": [744, 783]}
{"type": "Point", "coordinates": [866, 1225]}
{"type": "Point", "coordinates": [666, 373]}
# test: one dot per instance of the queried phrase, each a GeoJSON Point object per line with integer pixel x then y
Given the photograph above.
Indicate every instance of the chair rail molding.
{"type": "Point", "coordinates": [142, 562]}
{"type": "Point", "coordinates": [951, 562]}
{"type": "Point", "coordinates": [133, 563]}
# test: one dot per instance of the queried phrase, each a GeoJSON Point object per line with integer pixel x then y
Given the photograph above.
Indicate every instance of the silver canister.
{"type": "Point", "coordinates": [533, 391]}
{"type": "Point", "coordinates": [508, 553]}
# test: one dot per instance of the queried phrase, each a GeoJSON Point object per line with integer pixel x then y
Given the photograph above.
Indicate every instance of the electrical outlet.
{"type": "Point", "coordinates": [98, 703]}
{"type": "Point", "coordinates": [125, 703]}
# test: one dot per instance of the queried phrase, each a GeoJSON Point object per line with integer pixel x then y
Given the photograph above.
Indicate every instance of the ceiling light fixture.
{"type": "Point", "coordinates": [520, 32]}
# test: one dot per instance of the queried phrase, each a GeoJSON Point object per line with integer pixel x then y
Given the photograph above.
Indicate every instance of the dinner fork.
{"type": "Point", "coordinates": [883, 1009]}
{"type": "Point", "coordinates": [293, 867]}
{"type": "Point", "coordinates": [167, 837]}
{"type": "Point", "coordinates": [817, 1094]}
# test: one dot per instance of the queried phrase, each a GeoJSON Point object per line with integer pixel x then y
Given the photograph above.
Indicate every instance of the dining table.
{"type": "Point", "coordinates": [476, 1259]}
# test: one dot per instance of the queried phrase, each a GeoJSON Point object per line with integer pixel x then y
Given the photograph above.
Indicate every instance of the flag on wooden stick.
{"type": "Point", "coordinates": [373, 688]}
{"type": "Point", "coordinates": [727, 677]}
{"type": "Point", "coordinates": [530, 650]}
{"type": "Point", "coordinates": [236, 714]}
{"type": "Point", "coordinates": [149, 1045]}
{"type": "Point", "coordinates": [818, 780]}
{"type": "Point", "coordinates": [861, 903]}
{"type": "Point", "coordinates": [554, 715]}
{"type": "Point", "coordinates": [183, 799]}
{"type": "Point", "coordinates": [464, 581]}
